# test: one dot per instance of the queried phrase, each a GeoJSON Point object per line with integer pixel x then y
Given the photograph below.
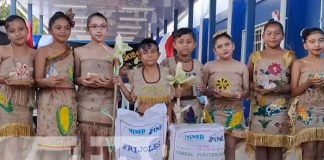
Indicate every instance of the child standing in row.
{"type": "Point", "coordinates": [94, 73]}
{"type": "Point", "coordinates": [16, 99]}
{"type": "Point", "coordinates": [57, 110]}
{"type": "Point", "coordinates": [184, 44]}
{"type": "Point", "coordinates": [269, 80]}
{"type": "Point", "coordinates": [307, 86]}
{"type": "Point", "coordinates": [227, 82]}
{"type": "Point", "coordinates": [149, 84]}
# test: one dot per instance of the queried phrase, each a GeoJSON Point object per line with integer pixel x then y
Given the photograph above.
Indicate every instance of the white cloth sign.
{"type": "Point", "coordinates": [197, 141]}
{"type": "Point", "coordinates": [139, 138]}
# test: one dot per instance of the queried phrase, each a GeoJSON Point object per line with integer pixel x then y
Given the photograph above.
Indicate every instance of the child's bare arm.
{"type": "Point", "coordinates": [246, 81]}
{"type": "Point", "coordinates": [296, 89]}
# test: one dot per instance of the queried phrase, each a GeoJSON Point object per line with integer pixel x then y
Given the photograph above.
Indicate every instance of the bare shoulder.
{"type": "Point", "coordinates": [4, 49]}
{"type": "Point", "coordinates": [81, 50]}
{"type": "Point", "coordinates": [33, 53]}
{"type": "Point", "coordinates": [43, 52]}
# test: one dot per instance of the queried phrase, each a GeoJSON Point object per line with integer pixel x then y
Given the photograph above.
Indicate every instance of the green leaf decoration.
{"type": "Point", "coordinates": [180, 76]}
{"type": "Point", "coordinates": [65, 120]}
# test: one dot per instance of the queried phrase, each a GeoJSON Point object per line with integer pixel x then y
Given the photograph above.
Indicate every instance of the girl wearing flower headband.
{"type": "Point", "coordinates": [269, 82]}
{"type": "Point", "coordinates": [227, 82]}
{"type": "Point", "coordinates": [17, 96]}
{"type": "Point", "coordinates": [307, 88]}
{"type": "Point", "coordinates": [94, 73]}
{"type": "Point", "coordinates": [57, 112]}
{"type": "Point", "coordinates": [184, 44]}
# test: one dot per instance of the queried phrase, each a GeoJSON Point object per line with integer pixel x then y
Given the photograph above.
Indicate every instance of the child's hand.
{"type": "Point", "coordinates": [263, 91]}
{"type": "Point", "coordinates": [87, 81]}
{"type": "Point", "coordinates": [178, 92]}
{"type": "Point", "coordinates": [104, 82]}
{"type": "Point", "coordinates": [117, 80]}
{"type": "Point", "coordinates": [316, 82]}
{"type": "Point", "coordinates": [54, 81]}
{"type": "Point", "coordinates": [202, 88]}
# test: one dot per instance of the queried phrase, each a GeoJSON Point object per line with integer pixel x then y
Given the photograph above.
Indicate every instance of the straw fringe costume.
{"type": "Point", "coordinates": [228, 113]}
{"type": "Point", "coordinates": [151, 93]}
{"type": "Point", "coordinates": [16, 104]}
{"type": "Point", "coordinates": [307, 112]}
{"type": "Point", "coordinates": [92, 100]}
{"type": "Point", "coordinates": [268, 113]}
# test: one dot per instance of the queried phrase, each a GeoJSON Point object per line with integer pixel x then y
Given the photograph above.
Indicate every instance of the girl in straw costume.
{"type": "Point", "coordinates": [94, 72]}
{"type": "Point", "coordinates": [227, 82]}
{"type": "Point", "coordinates": [269, 81]}
{"type": "Point", "coordinates": [307, 86]}
{"type": "Point", "coordinates": [17, 97]}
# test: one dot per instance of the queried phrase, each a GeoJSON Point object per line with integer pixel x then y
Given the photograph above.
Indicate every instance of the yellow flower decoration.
{"type": "Point", "coordinates": [263, 101]}
{"type": "Point", "coordinates": [237, 119]}
{"type": "Point", "coordinates": [3, 99]}
{"type": "Point", "coordinates": [301, 111]}
{"type": "Point", "coordinates": [223, 84]}
{"type": "Point", "coordinates": [207, 117]}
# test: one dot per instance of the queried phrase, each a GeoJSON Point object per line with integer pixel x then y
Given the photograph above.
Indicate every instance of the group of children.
{"type": "Point", "coordinates": [287, 94]}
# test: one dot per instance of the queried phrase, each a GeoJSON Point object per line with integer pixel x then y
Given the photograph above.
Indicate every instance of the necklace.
{"type": "Point", "coordinates": [183, 61]}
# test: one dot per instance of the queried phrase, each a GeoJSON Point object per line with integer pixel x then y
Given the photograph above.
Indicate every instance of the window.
{"type": "Point", "coordinates": [258, 41]}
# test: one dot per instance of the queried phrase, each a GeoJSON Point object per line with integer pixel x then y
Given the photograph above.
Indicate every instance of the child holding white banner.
{"type": "Point", "coordinates": [227, 83]}
{"type": "Point", "coordinates": [184, 45]}
{"type": "Point", "coordinates": [94, 73]}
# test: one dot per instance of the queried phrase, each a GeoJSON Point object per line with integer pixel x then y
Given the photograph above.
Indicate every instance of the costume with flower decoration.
{"type": "Point", "coordinates": [307, 111]}
{"type": "Point", "coordinates": [16, 102]}
{"type": "Point", "coordinates": [268, 124]}
{"type": "Point", "coordinates": [228, 113]}
{"type": "Point", "coordinates": [57, 112]}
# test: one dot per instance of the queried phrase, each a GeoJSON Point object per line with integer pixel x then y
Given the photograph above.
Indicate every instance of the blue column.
{"type": "Point", "coordinates": [294, 24]}
{"type": "Point", "coordinates": [190, 13]}
{"type": "Point", "coordinates": [13, 7]}
{"type": "Point", "coordinates": [211, 29]}
{"type": "Point", "coordinates": [157, 32]}
{"type": "Point", "coordinates": [41, 24]}
{"type": "Point", "coordinates": [249, 27]}
{"type": "Point", "coordinates": [237, 25]}
{"type": "Point", "coordinates": [30, 13]}
{"type": "Point", "coordinates": [165, 26]}
{"type": "Point", "coordinates": [175, 20]}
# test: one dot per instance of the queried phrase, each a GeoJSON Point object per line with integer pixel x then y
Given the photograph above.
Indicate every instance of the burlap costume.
{"type": "Point", "coordinates": [268, 115]}
{"type": "Point", "coordinates": [57, 112]}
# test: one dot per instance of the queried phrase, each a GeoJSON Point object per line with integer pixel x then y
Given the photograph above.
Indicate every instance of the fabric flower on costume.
{"type": "Point", "coordinates": [223, 84]}
{"type": "Point", "coordinates": [304, 115]}
{"type": "Point", "coordinates": [6, 106]}
{"type": "Point", "coordinates": [20, 71]}
{"type": "Point", "coordinates": [180, 76]}
{"type": "Point", "coordinates": [274, 68]}
{"type": "Point", "coordinates": [120, 49]}
{"type": "Point", "coordinates": [233, 121]}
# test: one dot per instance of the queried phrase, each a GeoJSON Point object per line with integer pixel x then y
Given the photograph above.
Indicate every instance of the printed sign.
{"type": "Point", "coordinates": [197, 141]}
{"type": "Point", "coordinates": [139, 138]}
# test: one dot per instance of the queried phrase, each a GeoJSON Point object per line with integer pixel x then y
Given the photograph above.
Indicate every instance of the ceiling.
{"type": "Point", "coordinates": [135, 19]}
